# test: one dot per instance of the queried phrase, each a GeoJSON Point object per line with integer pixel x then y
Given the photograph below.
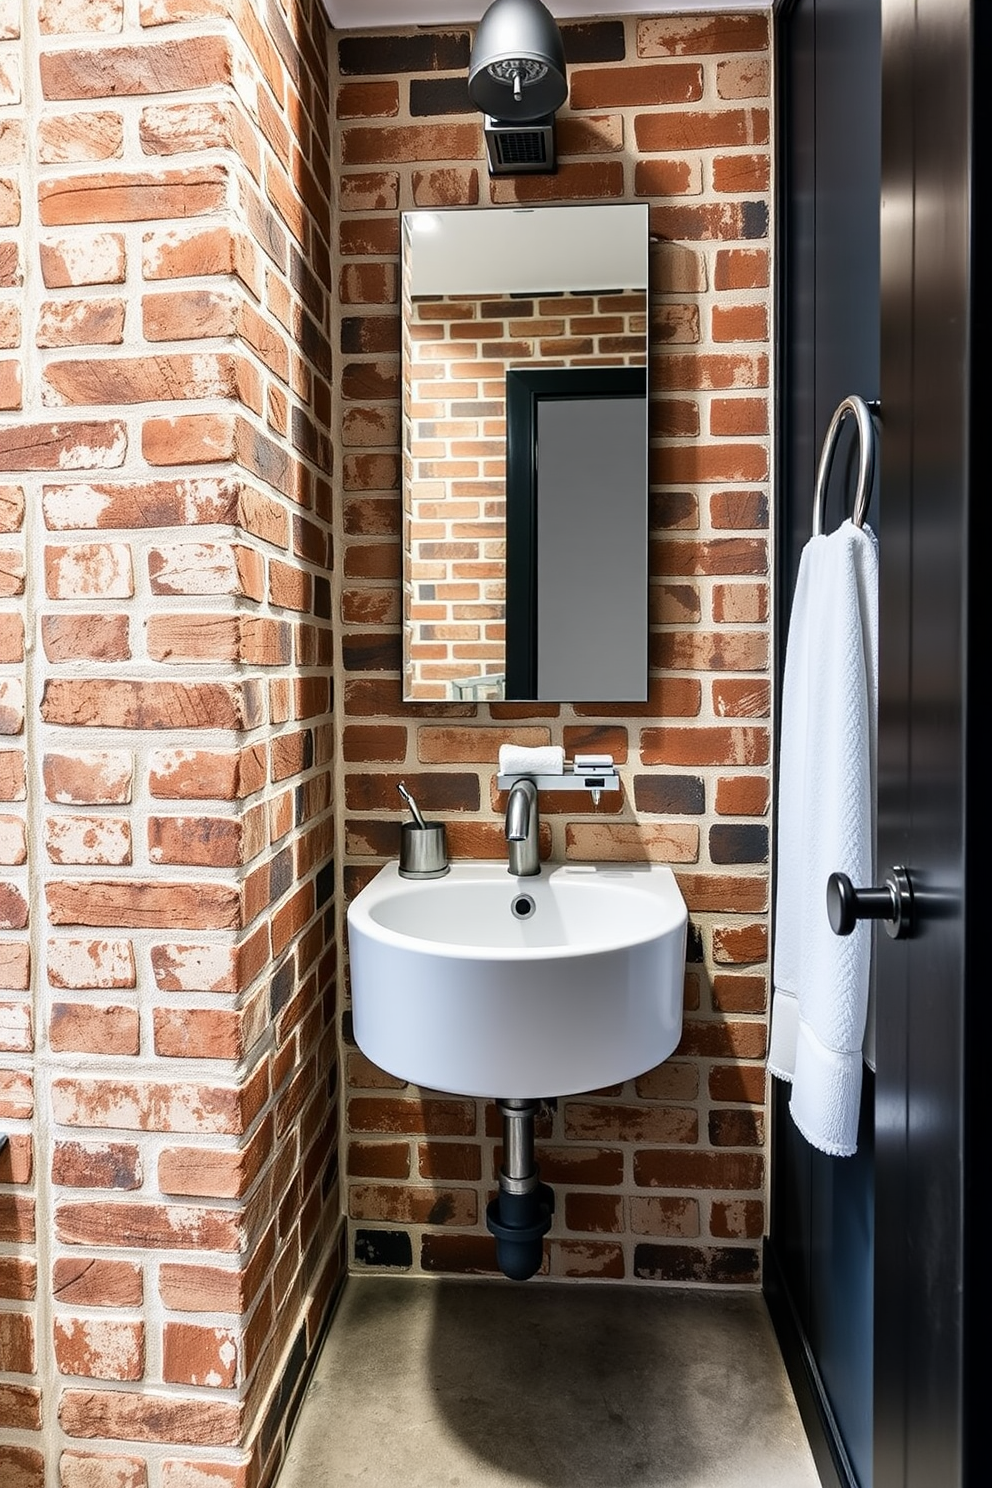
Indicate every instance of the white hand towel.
{"type": "Point", "coordinates": [516, 759]}
{"type": "Point", "coordinates": [826, 824]}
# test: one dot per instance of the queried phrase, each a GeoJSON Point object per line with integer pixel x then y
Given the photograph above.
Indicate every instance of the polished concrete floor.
{"type": "Point", "coordinates": [461, 1384]}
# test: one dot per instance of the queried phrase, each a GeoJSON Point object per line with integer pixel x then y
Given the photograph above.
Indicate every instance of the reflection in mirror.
{"type": "Point", "coordinates": [485, 294]}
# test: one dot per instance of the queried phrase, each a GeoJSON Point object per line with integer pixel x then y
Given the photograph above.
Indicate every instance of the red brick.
{"type": "Point", "coordinates": [20, 1407]}
{"type": "Point", "coordinates": [99, 258]}
{"type": "Point", "coordinates": [627, 1123]}
{"type": "Point", "coordinates": [411, 143]}
{"type": "Point", "coordinates": [148, 906]}
{"type": "Point", "coordinates": [625, 87]}
{"type": "Point", "coordinates": [22, 1467]}
{"type": "Point", "coordinates": [69, 445]}
{"type": "Point", "coordinates": [713, 1170]}
{"type": "Point", "coordinates": [18, 1278]}
{"type": "Point", "coordinates": [143, 1416]}
{"type": "Point", "coordinates": [723, 1039]}
{"type": "Point", "coordinates": [78, 964]}
{"type": "Point", "coordinates": [103, 1470]}
{"type": "Point", "coordinates": [155, 1226]}
{"type": "Point", "coordinates": [740, 323]}
{"type": "Point", "coordinates": [574, 181]}
{"type": "Point", "coordinates": [81, 323]}
{"type": "Point", "coordinates": [392, 1160]}
{"type": "Point", "coordinates": [132, 196]}
{"type": "Point", "coordinates": [197, 1355]}
{"type": "Point", "coordinates": [162, 67]}
{"type": "Point", "coordinates": [425, 1204]}
{"type": "Point", "coordinates": [741, 745]}
{"type": "Point", "coordinates": [742, 795]}
{"type": "Point", "coordinates": [147, 1105]}
{"type": "Point", "coordinates": [737, 1219]}
{"type": "Point", "coordinates": [89, 135]}
{"type": "Point", "coordinates": [68, 638]}
{"type": "Point", "coordinates": [695, 36]}
{"type": "Point", "coordinates": [665, 1217]}
{"type": "Point", "coordinates": [151, 705]}
{"type": "Point", "coordinates": [99, 1348]}
{"type": "Point", "coordinates": [17, 1342]}
{"type": "Point", "coordinates": [738, 1082]}
{"type": "Point", "coordinates": [742, 268]}
{"type": "Point", "coordinates": [91, 1028]}
{"type": "Point", "coordinates": [199, 1033]}
{"type": "Point", "coordinates": [431, 1117]}
{"type": "Point", "coordinates": [587, 1259]}
{"type": "Point", "coordinates": [203, 774]}
{"type": "Point", "coordinates": [740, 943]}
{"type": "Point", "coordinates": [742, 174]}
{"type": "Point", "coordinates": [736, 416]}
{"type": "Point", "coordinates": [696, 129]}
{"type": "Point", "coordinates": [96, 1165]}
{"type": "Point", "coordinates": [379, 100]}
{"type": "Point", "coordinates": [743, 697]}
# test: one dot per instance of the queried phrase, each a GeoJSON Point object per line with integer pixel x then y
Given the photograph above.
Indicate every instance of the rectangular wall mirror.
{"type": "Point", "coordinates": [525, 454]}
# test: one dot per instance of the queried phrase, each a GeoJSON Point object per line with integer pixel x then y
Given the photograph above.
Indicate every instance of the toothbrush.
{"type": "Point", "coordinates": [413, 806]}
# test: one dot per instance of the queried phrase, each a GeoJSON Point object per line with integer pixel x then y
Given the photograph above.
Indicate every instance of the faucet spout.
{"type": "Point", "coordinates": [522, 829]}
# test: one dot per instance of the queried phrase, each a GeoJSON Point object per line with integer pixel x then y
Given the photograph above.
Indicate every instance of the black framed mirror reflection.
{"type": "Point", "coordinates": [576, 518]}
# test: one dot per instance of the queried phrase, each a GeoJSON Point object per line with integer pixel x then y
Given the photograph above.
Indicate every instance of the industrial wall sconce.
{"type": "Point", "coordinates": [517, 79]}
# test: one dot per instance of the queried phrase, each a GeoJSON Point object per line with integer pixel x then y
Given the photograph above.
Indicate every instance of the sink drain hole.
{"type": "Point", "coordinates": [523, 907]}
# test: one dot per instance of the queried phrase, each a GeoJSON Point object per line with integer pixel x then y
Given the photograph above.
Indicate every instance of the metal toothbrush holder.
{"type": "Point", "coordinates": [423, 850]}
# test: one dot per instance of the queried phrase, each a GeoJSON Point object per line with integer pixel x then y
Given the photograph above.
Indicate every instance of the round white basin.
{"type": "Point", "coordinates": [459, 986]}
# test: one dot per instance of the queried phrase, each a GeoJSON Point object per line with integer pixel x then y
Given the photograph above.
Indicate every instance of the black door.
{"type": "Point", "coordinates": [819, 1262]}
{"type": "Point", "coordinates": [931, 1291]}
{"type": "Point", "coordinates": [930, 1275]}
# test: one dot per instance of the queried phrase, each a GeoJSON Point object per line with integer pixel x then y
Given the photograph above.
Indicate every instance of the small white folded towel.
{"type": "Point", "coordinates": [516, 759]}
{"type": "Point", "coordinates": [826, 824]}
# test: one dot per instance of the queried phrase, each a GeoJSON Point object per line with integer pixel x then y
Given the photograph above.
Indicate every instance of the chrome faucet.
{"type": "Point", "coordinates": [522, 829]}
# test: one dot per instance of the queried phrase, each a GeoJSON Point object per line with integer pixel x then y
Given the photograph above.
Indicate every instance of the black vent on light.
{"type": "Point", "coordinates": [520, 149]}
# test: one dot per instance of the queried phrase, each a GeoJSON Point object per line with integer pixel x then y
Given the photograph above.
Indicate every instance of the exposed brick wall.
{"type": "Point", "coordinates": [167, 1030]}
{"type": "Point", "coordinates": [663, 1179]}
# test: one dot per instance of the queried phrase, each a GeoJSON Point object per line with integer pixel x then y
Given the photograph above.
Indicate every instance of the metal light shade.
{"type": "Point", "coordinates": [517, 68]}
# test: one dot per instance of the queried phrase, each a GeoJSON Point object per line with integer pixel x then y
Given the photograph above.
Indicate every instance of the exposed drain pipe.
{"type": "Point", "coordinates": [520, 1216]}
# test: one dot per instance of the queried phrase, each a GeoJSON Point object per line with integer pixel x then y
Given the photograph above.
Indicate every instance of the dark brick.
{"type": "Point", "coordinates": [282, 987]}
{"type": "Point", "coordinates": [383, 1248]}
{"type": "Point", "coordinates": [696, 1263]}
{"type": "Point", "coordinates": [325, 883]}
{"type": "Point", "coordinates": [433, 96]}
{"type": "Point", "coordinates": [371, 653]}
{"type": "Point", "coordinates": [435, 51]}
{"type": "Point", "coordinates": [363, 333]}
{"type": "Point", "coordinates": [672, 509]}
{"type": "Point", "coordinates": [739, 843]}
{"type": "Point", "coordinates": [736, 1128]}
{"type": "Point", "coordinates": [305, 282]}
{"type": "Point", "coordinates": [322, 597]}
{"type": "Point", "coordinates": [594, 41]}
{"type": "Point", "coordinates": [469, 1254]}
{"type": "Point", "coordinates": [754, 219]}
{"type": "Point", "coordinates": [438, 791]}
{"type": "Point", "coordinates": [281, 873]}
{"type": "Point", "coordinates": [670, 795]}
{"type": "Point", "coordinates": [694, 953]}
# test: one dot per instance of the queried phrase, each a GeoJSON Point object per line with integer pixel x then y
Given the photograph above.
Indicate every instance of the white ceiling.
{"type": "Point", "coordinates": [363, 15]}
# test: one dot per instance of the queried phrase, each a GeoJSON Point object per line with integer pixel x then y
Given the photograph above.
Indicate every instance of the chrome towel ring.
{"type": "Point", "coordinates": [866, 461]}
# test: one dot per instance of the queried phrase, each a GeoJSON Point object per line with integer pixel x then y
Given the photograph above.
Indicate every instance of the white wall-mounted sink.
{"type": "Point", "coordinates": [458, 986]}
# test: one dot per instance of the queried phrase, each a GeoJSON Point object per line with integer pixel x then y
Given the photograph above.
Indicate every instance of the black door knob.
{"type": "Point", "coordinates": [892, 903]}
